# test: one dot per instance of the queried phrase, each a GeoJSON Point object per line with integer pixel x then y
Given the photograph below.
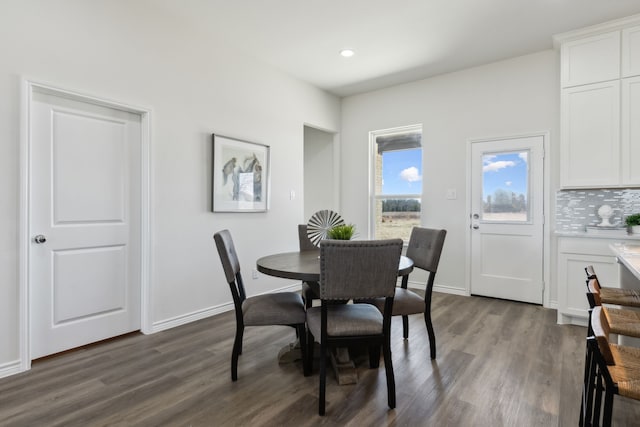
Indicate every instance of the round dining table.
{"type": "Point", "coordinates": [305, 265]}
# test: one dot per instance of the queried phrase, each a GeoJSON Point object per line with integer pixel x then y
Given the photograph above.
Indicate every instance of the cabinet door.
{"type": "Point", "coordinates": [590, 151]}
{"type": "Point", "coordinates": [591, 59]}
{"type": "Point", "coordinates": [631, 52]}
{"type": "Point", "coordinates": [630, 143]}
{"type": "Point", "coordinates": [572, 288]}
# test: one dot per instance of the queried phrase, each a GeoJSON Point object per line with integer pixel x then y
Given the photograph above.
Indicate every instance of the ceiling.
{"type": "Point", "coordinates": [396, 41]}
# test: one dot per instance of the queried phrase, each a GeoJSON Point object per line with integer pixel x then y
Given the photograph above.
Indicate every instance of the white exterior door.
{"type": "Point", "coordinates": [507, 217]}
{"type": "Point", "coordinates": [85, 198]}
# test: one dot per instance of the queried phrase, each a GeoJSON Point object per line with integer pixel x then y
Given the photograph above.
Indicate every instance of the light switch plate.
{"type": "Point", "coordinates": [451, 194]}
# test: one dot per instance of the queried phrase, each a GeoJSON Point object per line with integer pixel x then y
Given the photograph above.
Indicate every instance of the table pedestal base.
{"type": "Point", "coordinates": [290, 353]}
{"type": "Point", "coordinates": [343, 366]}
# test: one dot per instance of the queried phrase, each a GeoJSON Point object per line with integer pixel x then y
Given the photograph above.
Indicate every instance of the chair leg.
{"type": "Point", "coordinates": [597, 404]}
{"type": "Point", "coordinates": [388, 367]}
{"type": "Point", "coordinates": [374, 356]}
{"type": "Point", "coordinates": [608, 408]}
{"type": "Point", "coordinates": [586, 403]}
{"type": "Point", "coordinates": [323, 378]}
{"type": "Point", "coordinates": [302, 336]}
{"type": "Point", "coordinates": [432, 334]}
{"type": "Point", "coordinates": [405, 327]}
{"type": "Point", "coordinates": [237, 351]}
{"type": "Point", "coordinates": [310, 346]}
{"type": "Point", "coordinates": [587, 391]}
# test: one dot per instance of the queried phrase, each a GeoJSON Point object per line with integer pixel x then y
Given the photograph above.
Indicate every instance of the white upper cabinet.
{"type": "Point", "coordinates": [631, 52]}
{"type": "Point", "coordinates": [591, 59]}
{"type": "Point", "coordinates": [600, 105]}
{"type": "Point", "coordinates": [630, 142]}
{"type": "Point", "coordinates": [590, 148]}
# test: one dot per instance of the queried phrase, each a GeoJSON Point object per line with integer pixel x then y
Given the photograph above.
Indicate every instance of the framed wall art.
{"type": "Point", "coordinates": [240, 175]}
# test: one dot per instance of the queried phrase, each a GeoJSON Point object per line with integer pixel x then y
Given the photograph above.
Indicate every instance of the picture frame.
{"type": "Point", "coordinates": [240, 175]}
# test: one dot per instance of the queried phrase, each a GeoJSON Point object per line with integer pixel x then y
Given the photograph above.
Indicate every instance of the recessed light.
{"type": "Point", "coordinates": [347, 53]}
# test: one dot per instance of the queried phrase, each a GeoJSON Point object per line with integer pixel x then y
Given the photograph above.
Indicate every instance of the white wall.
{"type": "Point", "coordinates": [124, 51]}
{"type": "Point", "coordinates": [509, 97]}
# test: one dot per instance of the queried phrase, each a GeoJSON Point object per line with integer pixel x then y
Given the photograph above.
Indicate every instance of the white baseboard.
{"type": "Point", "coordinates": [183, 319]}
{"type": "Point", "coordinates": [10, 368]}
{"type": "Point", "coordinates": [439, 288]}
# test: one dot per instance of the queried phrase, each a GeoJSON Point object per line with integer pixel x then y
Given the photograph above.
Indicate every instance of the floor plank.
{"type": "Point", "coordinates": [500, 363]}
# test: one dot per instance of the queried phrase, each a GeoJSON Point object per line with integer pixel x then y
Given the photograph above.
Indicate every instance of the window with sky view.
{"type": "Point", "coordinates": [505, 186]}
{"type": "Point", "coordinates": [398, 189]}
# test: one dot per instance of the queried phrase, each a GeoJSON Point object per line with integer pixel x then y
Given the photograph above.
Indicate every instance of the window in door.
{"type": "Point", "coordinates": [505, 186]}
{"type": "Point", "coordinates": [396, 202]}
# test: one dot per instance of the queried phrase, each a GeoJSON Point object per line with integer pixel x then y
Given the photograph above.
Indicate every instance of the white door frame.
{"type": "Point", "coordinates": [546, 201]}
{"type": "Point", "coordinates": [24, 236]}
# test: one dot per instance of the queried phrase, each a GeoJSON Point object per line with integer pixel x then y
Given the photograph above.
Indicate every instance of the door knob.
{"type": "Point", "coordinates": [39, 239]}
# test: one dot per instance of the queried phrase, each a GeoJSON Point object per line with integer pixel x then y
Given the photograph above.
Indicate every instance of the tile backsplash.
{"type": "Point", "coordinates": [576, 209]}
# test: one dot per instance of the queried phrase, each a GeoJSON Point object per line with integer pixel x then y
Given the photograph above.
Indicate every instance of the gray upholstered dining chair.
{"type": "Point", "coordinates": [425, 248]}
{"type": "Point", "coordinates": [348, 270]}
{"type": "Point", "coordinates": [309, 289]}
{"type": "Point", "coordinates": [280, 308]}
{"type": "Point", "coordinates": [305, 243]}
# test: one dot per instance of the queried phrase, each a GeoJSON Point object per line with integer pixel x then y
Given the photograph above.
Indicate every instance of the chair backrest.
{"type": "Point", "coordinates": [425, 247]}
{"type": "Point", "coordinates": [601, 329]}
{"type": "Point", "coordinates": [594, 293]}
{"type": "Point", "coordinates": [230, 264]}
{"type": "Point", "coordinates": [591, 273]}
{"type": "Point", "coordinates": [359, 268]}
{"type": "Point", "coordinates": [305, 243]}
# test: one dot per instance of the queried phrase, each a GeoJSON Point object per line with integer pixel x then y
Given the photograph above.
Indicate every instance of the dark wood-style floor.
{"type": "Point", "coordinates": [499, 363]}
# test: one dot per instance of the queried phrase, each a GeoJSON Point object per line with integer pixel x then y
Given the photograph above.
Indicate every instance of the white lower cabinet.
{"type": "Point", "coordinates": [574, 254]}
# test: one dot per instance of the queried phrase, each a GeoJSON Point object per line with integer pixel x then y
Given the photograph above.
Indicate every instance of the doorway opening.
{"type": "Point", "coordinates": [321, 171]}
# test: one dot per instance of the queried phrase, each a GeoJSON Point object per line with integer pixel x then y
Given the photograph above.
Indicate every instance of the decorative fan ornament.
{"type": "Point", "coordinates": [320, 223]}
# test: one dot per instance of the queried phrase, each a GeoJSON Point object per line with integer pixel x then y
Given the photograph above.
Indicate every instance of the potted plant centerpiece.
{"type": "Point", "coordinates": [633, 222]}
{"type": "Point", "coordinates": [342, 232]}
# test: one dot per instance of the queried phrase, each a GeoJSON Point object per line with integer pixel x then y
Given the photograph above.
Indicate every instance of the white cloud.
{"type": "Point", "coordinates": [410, 174]}
{"type": "Point", "coordinates": [496, 166]}
{"type": "Point", "coordinates": [524, 156]}
{"type": "Point", "coordinates": [508, 183]}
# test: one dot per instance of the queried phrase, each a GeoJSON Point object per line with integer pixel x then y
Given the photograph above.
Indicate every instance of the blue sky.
{"type": "Point", "coordinates": [507, 171]}
{"type": "Point", "coordinates": [402, 171]}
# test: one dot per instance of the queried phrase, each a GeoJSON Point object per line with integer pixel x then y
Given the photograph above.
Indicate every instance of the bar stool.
{"type": "Point", "coordinates": [617, 296]}
{"type": "Point", "coordinates": [611, 368]}
{"type": "Point", "coordinates": [621, 321]}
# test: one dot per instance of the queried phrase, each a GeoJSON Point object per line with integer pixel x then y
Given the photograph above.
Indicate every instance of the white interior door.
{"type": "Point", "coordinates": [85, 198]}
{"type": "Point", "coordinates": [507, 218]}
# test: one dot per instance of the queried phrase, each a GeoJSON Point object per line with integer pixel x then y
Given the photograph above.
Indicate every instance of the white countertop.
{"type": "Point", "coordinates": [629, 256]}
{"type": "Point", "coordinates": [604, 234]}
